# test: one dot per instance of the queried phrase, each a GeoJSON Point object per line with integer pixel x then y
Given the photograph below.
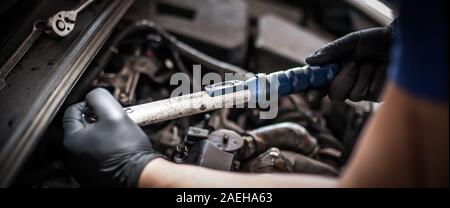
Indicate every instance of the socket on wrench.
{"type": "Point", "coordinates": [63, 22]}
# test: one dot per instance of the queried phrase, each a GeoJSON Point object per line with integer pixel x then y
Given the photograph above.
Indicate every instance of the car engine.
{"type": "Point", "coordinates": [156, 39]}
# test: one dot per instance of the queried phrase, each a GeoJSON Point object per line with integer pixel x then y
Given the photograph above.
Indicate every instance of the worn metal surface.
{"type": "Point", "coordinates": [36, 92]}
{"type": "Point", "coordinates": [185, 105]}
{"type": "Point", "coordinates": [269, 162]}
{"type": "Point", "coordinates": [226, 140]}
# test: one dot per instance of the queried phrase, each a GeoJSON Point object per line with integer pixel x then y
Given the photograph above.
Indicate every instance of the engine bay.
{"type": "Point", "coordinates": [156, 39]}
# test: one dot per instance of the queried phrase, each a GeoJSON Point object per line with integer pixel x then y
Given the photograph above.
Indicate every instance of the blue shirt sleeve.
{"type": "Point", "coordinates": [420, 51]}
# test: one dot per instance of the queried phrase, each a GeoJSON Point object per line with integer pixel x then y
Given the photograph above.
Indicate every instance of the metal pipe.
{"type": "Point", "coordinates": [182, 106]}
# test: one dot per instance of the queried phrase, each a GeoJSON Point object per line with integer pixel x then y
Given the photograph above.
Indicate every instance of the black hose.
{"type": "Point", "coordinates": [286, 136]}
{"type": "Point", "coordinates": [191, 53]}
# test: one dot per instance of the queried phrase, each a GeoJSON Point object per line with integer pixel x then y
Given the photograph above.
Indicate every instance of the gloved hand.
{"type": "Point", "coordinates": [364, 56]}
{"type": "Point", "coordinates": [110, 152]}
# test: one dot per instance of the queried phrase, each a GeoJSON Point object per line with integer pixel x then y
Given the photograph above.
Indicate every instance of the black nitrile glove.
{"type": "Point", "coordinates": [110, 152]}
{"type": "Point", "coordinates": [364, 56]}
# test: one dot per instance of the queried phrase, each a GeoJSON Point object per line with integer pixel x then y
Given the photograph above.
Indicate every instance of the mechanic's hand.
{"type": "Point", "coordinates": [364, 56]}
{"type": "Point", "coordinates": [111, 152]}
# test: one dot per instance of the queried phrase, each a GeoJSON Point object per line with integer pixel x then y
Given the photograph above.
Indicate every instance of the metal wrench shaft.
{"type": "Point", "coordinates": [38, 28]}
{"type": "Point", "coordinates": [82, 6]}
{"type": "Point", "coordinates": [182, 106]}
